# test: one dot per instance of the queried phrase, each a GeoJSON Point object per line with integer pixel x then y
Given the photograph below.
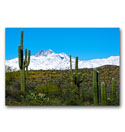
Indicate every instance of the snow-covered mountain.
{"type": "Point", "coordinates": [48, 60]}
{"type": "Point", "coordinates": [43, 53]}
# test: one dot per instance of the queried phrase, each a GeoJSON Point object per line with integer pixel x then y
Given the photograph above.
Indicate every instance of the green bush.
{"type": "Point", "coordinates": [48, 89]}
{"type": "Point", "coordinates": [72, 102]}
{"type": "Point", "coordinates": [13, 90]}
{"type": "Point", "coordinates": [32, 98]}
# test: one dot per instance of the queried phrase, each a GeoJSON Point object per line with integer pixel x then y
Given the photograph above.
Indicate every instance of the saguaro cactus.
{"type": "Point", "coordinates": [23, 63]}
{"type": "Point", "coordinates": [113, 89]}
{"type": "Point", "coordinates": [99, 87]}
{"type": "Point", "coordinates": [70, 64]}
{"type": "Point", "coordinates": [76, 78]}
{"type": "Point", "coordinates": [96, 87]}
{"type": "Point", "coordinates": [103, 94]}
{"type": "Point", "coordinates": [71, 73]}
{"type": "Point", "coordinates": [76, 65]}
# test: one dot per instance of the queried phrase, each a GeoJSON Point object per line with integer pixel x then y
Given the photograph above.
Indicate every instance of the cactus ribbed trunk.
{"type": "Point", "coordinates": [99, 88]}
{"type": "Point", "coordinates": [76, 65]}
{"type": "Point", "coordinates": [77, 78]}
{"type": "Point", "coordinates": [97, 74]}
{"type": "Point", "coordinates": [103, 94]}
{"type": "Point", "coordinates": [113, 89]}
{"type": "Point", "coordinates": [22, 74]}
{"type": "Point", "coordinates": [96, 87]}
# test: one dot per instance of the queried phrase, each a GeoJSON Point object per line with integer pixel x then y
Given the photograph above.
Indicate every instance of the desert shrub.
{"type": "Point", "coordinates": [12, 102]}
{"type": "Point", "coordinates": [11, 77]}
{"type": "Point", "coordinates": [72, 102]}
{"type": "Point", "coordinates": [48, 89]}
{"type": "Point", "coordinates": [32, 98]}
{"type": "Point", "coordinates": [56, 102]}
{"type": "Point", "coordinates": [13, 90]}
{"type": "Point", "coordinates": [31, 85]}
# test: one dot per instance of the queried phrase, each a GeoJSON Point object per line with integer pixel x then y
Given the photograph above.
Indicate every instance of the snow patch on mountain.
{"type": "Point", "coordinates": [48, 60]}
{"type": "Point", "coordinates": [43, 53]}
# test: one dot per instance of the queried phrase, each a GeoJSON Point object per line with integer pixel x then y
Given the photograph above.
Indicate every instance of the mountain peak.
{"type": "Point", "coordinates": [50, 60]}
{"type": "Point", "coordinates": [43, 53]}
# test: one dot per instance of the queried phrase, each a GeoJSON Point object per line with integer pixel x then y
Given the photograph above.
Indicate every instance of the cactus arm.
{"type": "Point", "coordinates": [29, 52]}
{"type": "Point", "coordinates": [76, 65]}
{"type": "Point", "coordinates": [22, 39]}
{"type": "Point", "coordinates": [70, 64]}
{"type": "Point", "coordinates": [25, 62]}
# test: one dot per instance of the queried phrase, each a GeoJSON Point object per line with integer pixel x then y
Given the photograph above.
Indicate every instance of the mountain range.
{"type": "Point", "coordinates": [48, 60]}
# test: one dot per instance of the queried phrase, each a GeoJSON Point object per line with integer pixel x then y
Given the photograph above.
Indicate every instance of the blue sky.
{"type": "Point", "coordinates": [86, 43]}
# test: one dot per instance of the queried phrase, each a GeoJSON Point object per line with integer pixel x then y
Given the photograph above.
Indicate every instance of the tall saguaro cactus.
{"type": "Point", "coordinates": [71, 73]}
{"type": "Point", "coordinates": [70, 64]}
{"type": "Point", "coordinates": [99, 86]}
{"type": "Point", "coordinates": [76, 65]}
{"type": "Point", "coordinates": [103, 94]}
{"type": "Point", "coordinates": [76, 78]}
{"type": "Point", "coordinates": [96, 87]}
{"type": "Point", "coordinates": [23, 63]}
